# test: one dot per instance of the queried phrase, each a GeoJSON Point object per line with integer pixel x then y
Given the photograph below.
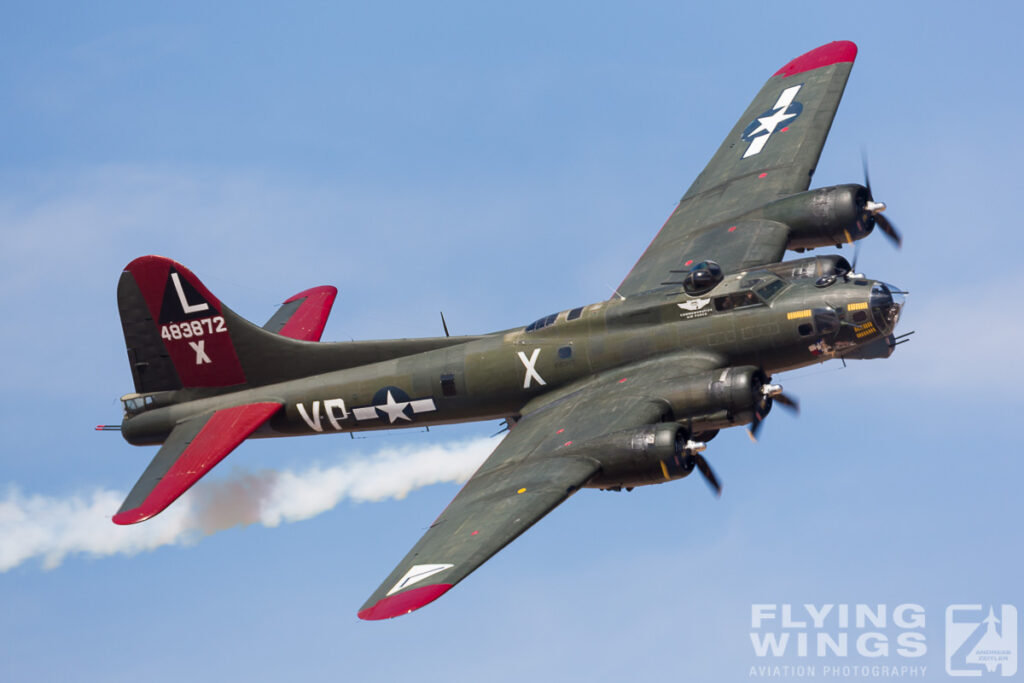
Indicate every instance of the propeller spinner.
{"type": "Point", "coordinates": [770, 393]}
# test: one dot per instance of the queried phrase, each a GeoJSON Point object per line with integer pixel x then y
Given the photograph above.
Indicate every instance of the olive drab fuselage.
{"type": "Point", "coordinates": [787, 316]}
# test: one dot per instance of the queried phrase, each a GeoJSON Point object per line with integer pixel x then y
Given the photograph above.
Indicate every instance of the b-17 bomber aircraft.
{"type": "Point", "coordinates": [616, 394]}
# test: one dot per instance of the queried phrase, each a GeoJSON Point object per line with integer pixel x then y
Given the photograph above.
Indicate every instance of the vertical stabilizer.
{"type": "Point", "coordinates": [174, 328]}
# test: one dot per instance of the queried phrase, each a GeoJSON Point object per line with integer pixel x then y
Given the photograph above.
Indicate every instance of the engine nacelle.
{"type": "Point", "coordinates": [634, 457]}
{"type": "Point", "coordinates": [826, 217]}
{"type": "Point", "coordinates": [717, 399]}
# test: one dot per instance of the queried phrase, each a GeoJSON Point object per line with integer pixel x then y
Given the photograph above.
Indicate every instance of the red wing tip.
{"type": "Point", "coordinates": [830, 53]}
{"type": "Point", "coordinates": [131, 517]}
{"type": "Point", "coordinates": [405, 602]}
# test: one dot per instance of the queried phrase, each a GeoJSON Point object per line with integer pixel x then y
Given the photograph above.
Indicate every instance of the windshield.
{"type": "Point", "coordinates": [771, 289]}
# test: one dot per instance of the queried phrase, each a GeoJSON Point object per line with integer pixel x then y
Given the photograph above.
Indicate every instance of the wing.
{"type": "Point", "coordinates": [771, 152]}
{"type": "Point", "coordinates": [193, 448]}
{"type": "Point", "coordinates": [530, 473]}
{"type": "Point", "coordinates": [304, 315]}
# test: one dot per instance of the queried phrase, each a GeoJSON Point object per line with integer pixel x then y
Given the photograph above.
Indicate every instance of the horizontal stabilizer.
{"type": "Point", "coordinates": [304, 316]}
{"type": "Point", "coordinates": [193, 448]}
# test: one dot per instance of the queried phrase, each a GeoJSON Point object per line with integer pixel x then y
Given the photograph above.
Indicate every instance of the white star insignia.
{"type": "Point", "coordinates": [770, 123]}
{"type": "Point", "coordinates": [395, 410]}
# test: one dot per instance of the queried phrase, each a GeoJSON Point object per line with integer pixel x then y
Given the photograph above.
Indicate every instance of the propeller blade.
{"type": "Point", "coordinates": [867, 177]}
{"type": "Point", "coordinates": [791, 403]}
{"type": "Point", "coordinates": [755, 426]}
{"type": "Point", "coordinates": [876, 209]}
{"type": "Point", "coordinates": [887, 227]}
{"type": "Point", "coordinates": [709, 474]}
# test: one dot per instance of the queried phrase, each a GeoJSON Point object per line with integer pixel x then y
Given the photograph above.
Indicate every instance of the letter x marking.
{"type": "Point", "coordinates": [201, 356]}
{"type": "Point", "coordinates": [531, 371]}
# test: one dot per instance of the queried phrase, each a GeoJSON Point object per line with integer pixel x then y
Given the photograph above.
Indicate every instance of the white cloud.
{"type": "Point", "coordinates": [52, 528]}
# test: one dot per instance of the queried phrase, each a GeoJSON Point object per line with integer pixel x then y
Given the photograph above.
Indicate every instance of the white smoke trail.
{"type": "Point", "coordinates": [53, 528]}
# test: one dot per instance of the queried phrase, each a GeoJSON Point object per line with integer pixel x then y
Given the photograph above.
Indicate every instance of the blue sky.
{"type": "Point", "coordinates": [497, 164]}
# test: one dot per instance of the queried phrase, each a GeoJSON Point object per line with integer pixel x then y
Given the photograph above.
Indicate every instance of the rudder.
{"type": "Point", "coordinates": [174, 328]}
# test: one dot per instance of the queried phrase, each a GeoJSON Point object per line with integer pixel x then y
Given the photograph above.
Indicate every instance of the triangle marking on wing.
{"type": "Point", "coordinates": [417, 573]}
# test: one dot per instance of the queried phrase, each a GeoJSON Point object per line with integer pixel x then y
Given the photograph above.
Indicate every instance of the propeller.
{"type": "Point", "coordinates": [709, 474]}
{"type": "Point", "coordinates": [874, 210]}
{"type": "Point", "coordinates": [770, 394]}
{"type": "Point", "coordinates": [695, 459]}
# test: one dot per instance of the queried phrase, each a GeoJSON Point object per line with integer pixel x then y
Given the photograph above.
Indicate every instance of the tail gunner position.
{"type": "Point", "coordinates": [620, 393]}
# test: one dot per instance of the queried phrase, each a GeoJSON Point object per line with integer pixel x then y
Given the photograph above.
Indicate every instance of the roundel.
{"type": "Point", "coordinates": [786, 109]}
{"type": "Point", "coordinates": [766, 123]}
{"type": "Point", "coordinates": [392, 404]}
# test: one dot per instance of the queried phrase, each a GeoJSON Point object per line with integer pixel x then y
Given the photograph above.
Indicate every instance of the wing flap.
{"type": "Point", "coordinates": [304, 315]}
{"type": "Point", "coordinates": [193, 448]}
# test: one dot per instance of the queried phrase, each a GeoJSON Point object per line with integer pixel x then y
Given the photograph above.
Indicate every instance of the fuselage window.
{"type": "Point", "coordinates": [826, 320]}
{"type": "Point", "coordinates": [541, 323]}
{"type": "Point", "coordinates": [448, 385]}
{"type": "Point", "coordinates": [134, 406]}
{"type": "Point", "coordinates": [565, 352]}
{"type": "Point", "coordinates": [574, 313]}
{"type": "Point", "coordinates": [805, 329]}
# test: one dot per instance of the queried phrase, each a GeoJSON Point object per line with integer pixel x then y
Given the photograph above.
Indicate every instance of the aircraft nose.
{"type": "Point", "coordinates": [887, 303]}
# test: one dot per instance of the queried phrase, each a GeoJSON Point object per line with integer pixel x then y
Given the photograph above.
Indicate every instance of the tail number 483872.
{"type": "Point", "coordinates": [193, 328]}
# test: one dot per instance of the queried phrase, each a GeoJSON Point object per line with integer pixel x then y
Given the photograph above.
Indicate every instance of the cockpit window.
{"type": "Point", "coordinates": [737, 300]}
{"type": "Point", "coordinates": [770, 289]}
{"type": "Point", "coordinates": [541, 323]}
